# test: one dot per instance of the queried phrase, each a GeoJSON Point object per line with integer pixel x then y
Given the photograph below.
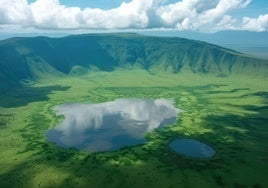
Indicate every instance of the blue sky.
{"type": "Point", "coordinates": [180, 15]}
{"type": "Point", "coordinates": [255, 8]}
{"type": "Point", "coordinates": [103, 4]}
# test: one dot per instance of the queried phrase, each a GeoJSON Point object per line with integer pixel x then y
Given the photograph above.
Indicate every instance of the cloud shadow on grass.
{"type": "Point", "coordinates": [240, 142]}
{"type": "Point", "coordinates": [25, 95]}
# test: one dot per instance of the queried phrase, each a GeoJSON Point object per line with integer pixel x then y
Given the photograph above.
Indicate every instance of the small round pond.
{"type": "Point", "coordinates": [192, 148]}
{"type": "Point", "coordinates": [111, 125]}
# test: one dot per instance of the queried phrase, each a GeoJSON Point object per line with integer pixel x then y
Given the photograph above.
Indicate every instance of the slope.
{"type": "Point", "coordinates": [41, 57]}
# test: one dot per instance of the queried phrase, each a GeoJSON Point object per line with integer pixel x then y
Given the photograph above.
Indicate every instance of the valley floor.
{"type": "Point", "coordinates": [228, 113]}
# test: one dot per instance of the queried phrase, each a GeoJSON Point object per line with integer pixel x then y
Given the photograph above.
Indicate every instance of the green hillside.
{"type": "Point", "coordinates": [223, 96]}
{"type": "Point", "coordinates": [41, 57]}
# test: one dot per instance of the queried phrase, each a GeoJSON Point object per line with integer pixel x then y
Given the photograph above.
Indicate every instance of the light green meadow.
{"type": "Point", "coordinates": [228, 113]}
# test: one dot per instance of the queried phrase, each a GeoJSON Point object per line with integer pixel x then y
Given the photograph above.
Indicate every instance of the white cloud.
{"type": "Point", "coordinates": [226, 23]}
{"type": "Point", "coordinates": [256, 24]}
{"type": "Point", "coordinates": [204, 15]}
{"type": "Point", "coordinates": [50, 14]}
{"type": "Point", "coordinates": [14, 12]}
{"type": "Point", "coordinates": [128, 15]}
{"type": "Point", "coordinates": [197, 14]}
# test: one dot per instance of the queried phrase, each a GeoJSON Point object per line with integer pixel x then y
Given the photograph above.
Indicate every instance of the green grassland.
{"type": "Point", "coordinates": [229, 113]}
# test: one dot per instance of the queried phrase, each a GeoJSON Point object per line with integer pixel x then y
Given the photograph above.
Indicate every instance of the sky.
{"type": "Point", "coordinates": [206, 16]}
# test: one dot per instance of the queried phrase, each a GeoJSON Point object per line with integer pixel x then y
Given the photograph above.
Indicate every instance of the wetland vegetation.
{"type": "Point", "coordinates": [231, 119]}
{"type": "Point", "coordinates": [224, 103]}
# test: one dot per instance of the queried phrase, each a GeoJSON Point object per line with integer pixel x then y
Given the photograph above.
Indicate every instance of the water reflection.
{"type": "Point", "coordinates": [192, 148]}
{"type": "Point", "coordinates": [111, 125]}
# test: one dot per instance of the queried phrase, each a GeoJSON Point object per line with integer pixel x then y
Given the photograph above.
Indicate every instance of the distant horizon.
{"type": "Point", "coordinates": [252, 43]}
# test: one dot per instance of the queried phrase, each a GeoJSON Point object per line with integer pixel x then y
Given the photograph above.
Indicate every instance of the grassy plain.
{"type": "Point", "coordinates": [228, 113]}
